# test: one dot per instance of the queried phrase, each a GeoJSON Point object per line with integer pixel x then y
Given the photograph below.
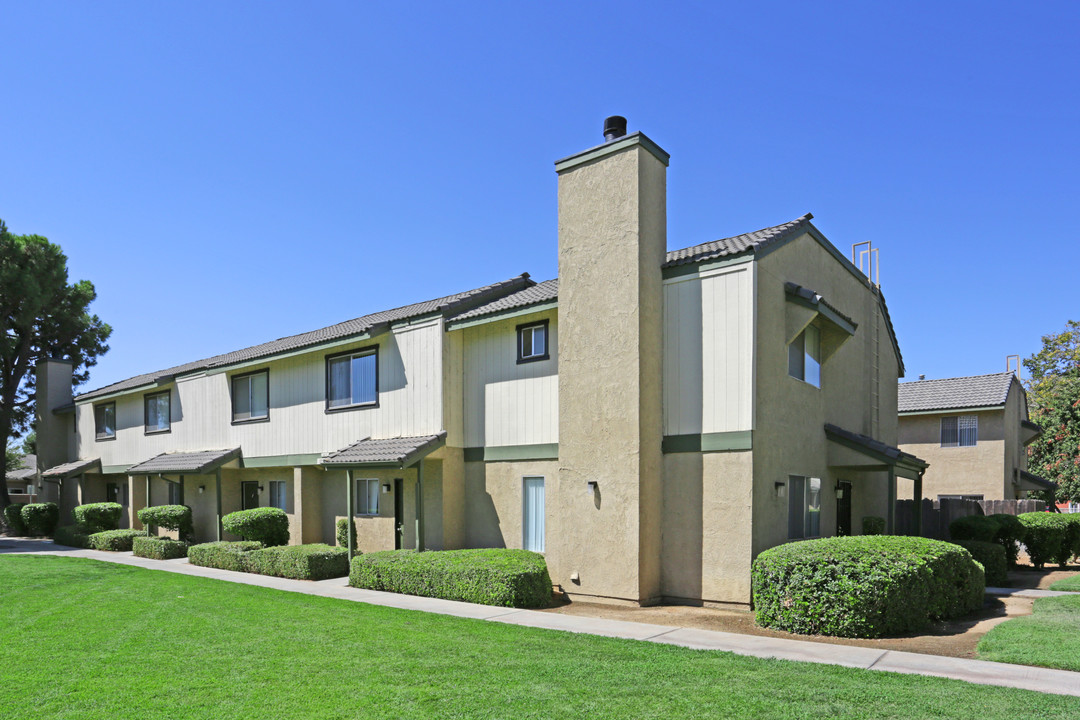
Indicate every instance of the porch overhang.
{"type": "Point", "coordinates": [804, 306]}
{"type": "Point", "coordinates": [71, 469]}
{"type": "Point", "coordinates": [399, 452]}
{"type": "Point", "coordinates": [1029, 481]}
{"type": "Point", "coordinates": [187, 463]}
{"type": "Point", "coordinates": [849, 449]}
{"type": "Point", "coordinates": [1029, 431]}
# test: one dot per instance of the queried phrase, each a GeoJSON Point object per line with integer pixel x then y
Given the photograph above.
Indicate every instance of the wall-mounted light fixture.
{"type": "Point", "coordinates": [386, 489]}
{"type": "Point", "coordinates": [260, 488]}
{"type": "Point", "coordinates": [839, 492]}
{"type": "Point", "coordinates": [202, 489]}
{"type": "Point", "coordinates": [781, 488]}
{"type": "Point", "coordinates": [593, 487]}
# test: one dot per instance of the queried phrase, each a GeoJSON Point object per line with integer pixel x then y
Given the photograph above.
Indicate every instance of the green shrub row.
{"type": "Point", "coordinates": [159, 548]}
{"type": "Point", "coordinates": [222, 555]}
{"type": "Point", "coordinates": [97, 517]}
{"type": "Point", "coordinates": [300, 562]}
{"type": "Point", "coordinates": [512, 578]}
{"type": "Point", "coordinates": [40, 519]}
{"type": "Point", "coordinates": [169, 517]}
{"type": "Point", "coordinates": [13, 519]}
{"type": "Point", "coordinates": [270, 526]}
{"type": "Point", "coordinates": [864, 586]}
{"type": "Point", "coordinates": [72, 536]}
{"type": "Point", "coordinates": [980, 528]}
{"type": "Point", "coordinates": [873, 525]}
{"type": "Point", "coordinates": [1070, 542]}
{"type": "Point", "coordinates": [114, 540]}
{"type": "Point", "coordinates": [991, 556]}
{"type": "Point", "coordinates": [1011, 532]}
{"type": "Point", "coordinates": [1044, 538]}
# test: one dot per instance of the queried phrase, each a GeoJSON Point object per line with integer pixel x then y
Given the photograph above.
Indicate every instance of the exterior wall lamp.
{"type": "Point", "coordinates": [202, 489]}
{"type": "Point", "coordinates": [781, 488]}
{"type": "Point", "coordinates": [386, 488]}
{"type": "Point", "coordinates": [593, 487]}
{"type": "Point", "coordinates": [839, 492]}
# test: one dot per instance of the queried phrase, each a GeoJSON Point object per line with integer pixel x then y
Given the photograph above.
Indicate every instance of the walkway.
{"type": "Point", "coordinates": [1060, 682]}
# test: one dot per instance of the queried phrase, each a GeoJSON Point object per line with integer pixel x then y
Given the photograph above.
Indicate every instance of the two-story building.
{"type": "Point", "coordinates": [650, 420]}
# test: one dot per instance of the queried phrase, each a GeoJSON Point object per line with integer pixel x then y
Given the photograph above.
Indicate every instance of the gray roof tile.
{"type": "Point", "coordinates": [27, 471]}
{"type": "Point", "coordinates": [71, 469]}
{"type": "Point", "coordinates": [184, 462]}
{"type": "Point", "coordinates": [955, 393]}
{"type": "Point", "coordinates": [539, 293]}
{"type": "Point", "coordinates": [385, 450]}
{"type": "Point", "coordinates": [737, 244]}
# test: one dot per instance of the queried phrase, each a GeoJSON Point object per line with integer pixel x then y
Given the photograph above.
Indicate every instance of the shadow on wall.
{"type": "Point", "coordinates": [683, 533]}
{"type": "Point", "coordinates": [482, 525]}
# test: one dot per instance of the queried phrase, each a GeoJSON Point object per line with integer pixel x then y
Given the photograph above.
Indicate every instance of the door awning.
{"type": "Point", "coordinates": [399, 452]}
{"type": "Point", "coordinates": [854, 450]}
{"type": "Point", "coordinates": [185, 463]}
{"type": "Point", "coordinates": [71, 469]}
{"type": "Point", "coordinates": [1029, 481]}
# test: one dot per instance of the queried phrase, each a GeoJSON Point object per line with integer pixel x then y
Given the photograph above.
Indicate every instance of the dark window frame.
{"type": "Point", "coordinates": [368, 350]}
{"type": "Point", "coordinates": [146, 413]}
{"type": "Point", "coordinates": [98, 437]}
{"type": "Point", "coordinates": [232, 397]}
{"type": "Point", "coordinates": [519, 335]}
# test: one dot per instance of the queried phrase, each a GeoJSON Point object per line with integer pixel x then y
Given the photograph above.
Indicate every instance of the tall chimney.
{"type": "Point", "coordinates": [612, 243]}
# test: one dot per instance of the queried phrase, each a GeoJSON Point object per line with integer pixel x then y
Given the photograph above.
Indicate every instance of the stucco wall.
{"type": "Point", "coordinates": [977, 470]}
{"type": "Point", "coordinates": [493, 501]}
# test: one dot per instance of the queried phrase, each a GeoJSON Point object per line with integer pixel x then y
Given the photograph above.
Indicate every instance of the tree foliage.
{"type": "Point", "coordinates": [41, 316]}
{"type": "Point", "coordinates": [1054, 396]}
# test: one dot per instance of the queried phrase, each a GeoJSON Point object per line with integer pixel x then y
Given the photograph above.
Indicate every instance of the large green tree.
{"type": "Point", "coordinates": [1054, 395]}
{"type": "Point", "coordinates": [41, 316]}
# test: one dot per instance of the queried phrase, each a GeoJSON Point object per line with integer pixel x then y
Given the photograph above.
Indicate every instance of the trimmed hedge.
{"type": "Point", "coordinates": [1011, 532]}
{"type": "Point", "coordinates": [1070, 542]}
{"type": "Point", "coordinates": [222, 555]}
{"type": "Point", "coordinates": [512, 578]}
{"type": "Point", "coordinates": [979, 528]}
{"type": "Point", "coordinates": [873, 525]}
{"type": "Point", "coordinates": [300, 562]}
{"type": "Point", "coordinates": [13, 518]}
{"type": "Point", "coordinates": [864, 586]}
{"type": "Point", "coordinates": [97, 517]}
{"type": "Point", "coordinates": [72, 535]}
{"type": "Point", "coordinates": [40, 519]}
{"type": "Point", "coordinates": [114, 540]}
{"type": "Point", "coordinates": [267, 525]}
{"type": "Point", "coordinates": [342, 540]}
{"type": "Point", "coordinates": [1044, 537]}
{"type": "Point", "coordinates": [159, 548]}
{"type": "Point", "coordinates": [170, 517]}
{"type": "Point", "coordinates": [991, 556]}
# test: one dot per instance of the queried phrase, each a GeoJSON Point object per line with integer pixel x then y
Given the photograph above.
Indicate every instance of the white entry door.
{"type": "Point", "coordinates": [532, 521]}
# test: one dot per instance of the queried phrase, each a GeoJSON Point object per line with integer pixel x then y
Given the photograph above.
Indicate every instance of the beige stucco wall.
{"type": "Point", "coordinates": [977, 470]}
{"type": "Point", "coordinates": [493, 501]}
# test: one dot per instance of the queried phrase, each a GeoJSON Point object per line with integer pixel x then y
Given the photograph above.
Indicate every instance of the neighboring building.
{"type": "Point", "coordinates": [974, 432]}
{"type": "Point", "coordinates": [22, 483]}
{"type": "Point", "coordinates": [651, 421]}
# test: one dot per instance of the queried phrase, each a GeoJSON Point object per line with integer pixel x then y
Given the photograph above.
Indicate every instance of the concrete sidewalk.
{"type": "Point", "coordinates": [1060, 682]}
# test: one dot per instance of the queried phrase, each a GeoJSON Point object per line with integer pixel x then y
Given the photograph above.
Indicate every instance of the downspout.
{"type": "Point", "coordinates": [420, 506]}
{"type": "Point", "coordinates": [350, 529]}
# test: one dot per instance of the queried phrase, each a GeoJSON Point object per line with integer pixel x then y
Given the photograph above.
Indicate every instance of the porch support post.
{"type": "Point", "coordinates": [890, 518]}
{"type": "Point", "coordinates": [181, 489]}
{"type": "Point", "coordinates": [350, 533]}
{"type": "Point", "coordinates": [148, 503]}
{"type": "Point", "coordinates": [420, 506]}
{"type": "Point", "coordinates": [918, 504]}
{"type": "Point", "coordinates": [217, 490]}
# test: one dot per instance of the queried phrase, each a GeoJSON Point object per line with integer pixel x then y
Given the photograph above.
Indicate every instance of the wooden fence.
{"type": "Point", "coordinates": [937, 514]}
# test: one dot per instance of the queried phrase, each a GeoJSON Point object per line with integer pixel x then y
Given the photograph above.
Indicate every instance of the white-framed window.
{"type": "Point", "coordinates": [352, 379]}
{"type": "Point", "coordinates": [105, 421]}
{"type": "Point", "coordinates": [277, 495]}
{"type": "Point", "coordinates": [532, 342]}
{"type": "Point", "coordinates": [532, 514]}
{"type": "Point", "coordinates": [804, 507]}
{"type": "Point", "coordinates": [367, 496]}
{"type": "Point", "coordinates": [156, 412]}
{"type": "Point", "coordinates": [251, 396]}
{"type": "Point", "coordinates": [804, 356]}
{"type": "Point", "coordinates": [960, 431]}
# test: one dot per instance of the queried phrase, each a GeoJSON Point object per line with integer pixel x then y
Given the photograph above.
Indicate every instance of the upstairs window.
{"type": "Point", "coordinates": [352, 379]}
{"type": "Point", "coordinates": [532, 342]}
{"type": "Point", "coordinates": [156, 412]}
{"type": "Point", "coordinates": [960, 431]}
{"type": "Point", "coordinates": [250, 397]}
{"type": "Point", "coordinates": [105, 421]}
{"type": "Point", "coordinates": [804, 356]}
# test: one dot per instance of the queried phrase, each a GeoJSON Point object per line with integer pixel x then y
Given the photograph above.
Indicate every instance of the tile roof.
{"type": "Point", "coordinates": [71, 469]}
{"type": "Point", "coordinates": [366, 323]}
{"type": "Point", "coordinates": [737, 244]}
{"type": "Point", "coordinates": [954, 393]}
{"type": "Point", "coordinates": [399, 450]}
{"type": "Point", "coordinates": [1037, 480]}
{"type": "Point", "coordinates": [28, 470]}
{"type": "Point", "coordinates": [816, 299]}
{"type": "Point", "coordinates": [184, 462]}
{"type": "Point", "coordinates": [539, 293]}
{"type": "Point", "coordinates": [875, 446]}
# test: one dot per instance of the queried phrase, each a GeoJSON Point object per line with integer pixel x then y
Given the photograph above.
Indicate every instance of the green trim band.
{"type": "Point", "coordinates": [504, 453]}
{"type": "Point", "coordinates": [709, 442]}
{"type": "Point", "coordinates": [474, 454]}
{"type": "Point", "coordinates": [114, 469]}
{"type": "Point", "coordinates": [504, 315]}
{"type": "Point", "coordinates": [282, 460]}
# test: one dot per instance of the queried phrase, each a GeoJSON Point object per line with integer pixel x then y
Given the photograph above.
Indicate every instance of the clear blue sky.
{"type": "Point", "coordinates": [230, 173]}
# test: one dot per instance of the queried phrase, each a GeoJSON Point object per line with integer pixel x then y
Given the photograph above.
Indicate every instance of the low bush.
{"type": "Point", "coordinates": [342, 540]}
{"type": "Point", "coordinates": [1070, 541]}
{"type": "Point", "coordinates": [13, 519]}
{"type": "Point", "coordinates": [40, 519]}
{"type": "Point", "coordinates": [159, 548]}
{"type": "Point", "coordinates": [270, 526]}
{"type": "Point", "coordinates": [992, 557]}
{"type": "Point", "coordinates": [169, 517]}
{"type": "Point", "coordinates": [72, 536]}
{"type": "Point", "coordinates": [873, 525]}
{"type": "Point", "coordinates": [1044, 537]}
{"type": "Point", "coordinates": [1011, 533]}
{"type": "Point", "coordinates": [97, 517]}
{"type": "Point", "coordinates": [114, 540]}
{"type": "Point", "coordinates": [864, 586]}
{"type": "Point", "coordinates": [512, 578]}
{"type": "Point", "coordinates": [222, 555]}
{"type": "Point", "coordinates": [980, 528]}
{"type": "Point", "coordinates": [300, 562]}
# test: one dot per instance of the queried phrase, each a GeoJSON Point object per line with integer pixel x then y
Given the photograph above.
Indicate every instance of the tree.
{"type": "Point", "coordinates": [41, 316]}
{"type": "Point", "coordinates": [1054, 395]}
{"type": "Point", "coordinates": [29, 443]}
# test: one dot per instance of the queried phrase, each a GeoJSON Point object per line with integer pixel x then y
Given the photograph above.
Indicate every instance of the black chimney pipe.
{"type": "Point", "coordinates": [614, 128]}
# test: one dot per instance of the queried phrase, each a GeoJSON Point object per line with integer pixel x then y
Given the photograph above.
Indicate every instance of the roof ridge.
{"type": "Point", "coordinates": [958, 377]}
{"type": "Point", "coordinates": [780, 229]}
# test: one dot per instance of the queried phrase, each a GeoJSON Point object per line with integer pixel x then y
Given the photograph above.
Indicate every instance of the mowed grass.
{"type": "Point", "coordinates": [1071, 584]}
{"type": "Point", "coordinates": [1049, 637]}
{"type": "Point", "coordinates": [85, 639]}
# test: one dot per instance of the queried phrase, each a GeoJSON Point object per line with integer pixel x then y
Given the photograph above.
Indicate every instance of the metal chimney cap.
{"type": "Point", "coordinates": [614, 128]}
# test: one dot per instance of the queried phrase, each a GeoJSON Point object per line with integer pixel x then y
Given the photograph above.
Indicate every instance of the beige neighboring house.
{"type": "Point", "coordinates": [23, 483]}
{"type": "Point", "coordinates": [974, 432]}
{"type": "Point", "coordinates": [650, 421]}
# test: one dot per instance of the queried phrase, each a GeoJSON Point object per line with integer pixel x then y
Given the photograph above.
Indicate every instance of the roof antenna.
{"type": "Point", "coordinates": [1013, 367]}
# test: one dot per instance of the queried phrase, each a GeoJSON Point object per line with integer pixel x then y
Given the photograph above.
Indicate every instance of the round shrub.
{"type": "Point", "coordinates": [13, 518]}
{"type": "Point", "coordinates": [1070, 542]}
{"type": "Point", "coordinates": [40, 519]}
{"type": "Point", "coordinates": [873, 525]}
{"type": "Point", "coordinates": [170, 517]}
{"type": "Point", "coordinates": [342, 539]}
{"type": "Point", "coordinates": [1011, 533]}
{"type": "Point", "coordinates": [979, 528]}
{"type": "Point", "coordinates": [270, 526]}
{"type": "Point", "coordinates": [992, 557]}
{"type": "Point", "coordinates": [864, 586]}
{"type": "Point", "coordinates": [1044, 537]}
{"type": "Point", "coordinates": [96, 517]}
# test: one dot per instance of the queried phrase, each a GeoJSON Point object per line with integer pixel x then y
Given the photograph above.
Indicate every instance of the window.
{"type": "Point", "coordinates": [804, 507]}
{"type": "Point", "coordinates": [105, 421]}
{"type": "Point", "coordinates": [977, 498]}
{"type": "Point", "coordinates": [804, 356]}
{"type": "Point", "coordinates": [176, 494]}
{"type": "Point", "coordinates": [277, 494]}
{"type": "Point", "coordinates": [533, 342]}
{"type": "Point", "coordinates": [156, 412]}
{"type": "Point", "coordinates": [250, 397]}
{"type": "Point", "coordinates": [112, 492]}
{"type": "Point", "coordinates": [532, 514]}
{"type": "Point", "coordinates": [367, 496]}
{"type": "Point", "coordinates": [959, 431]}
{"type": "Point", "coordinates": [352, 379]}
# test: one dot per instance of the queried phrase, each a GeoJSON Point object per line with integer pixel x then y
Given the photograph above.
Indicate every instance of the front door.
{"type": "Point", "coordinates": [843, 508]}
{"type": "Point", "coordinates": [249, 495]}
{"type": "Point", "coordinates": [399, 513]}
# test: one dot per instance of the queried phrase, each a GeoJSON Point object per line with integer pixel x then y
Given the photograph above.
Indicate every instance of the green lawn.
{"type": "Point", "coordinates": [1049, 637]}
{"type": "Point", "coordinates": [86, 639]}
{"type": "Point", "coordinates": [1070, 583]}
